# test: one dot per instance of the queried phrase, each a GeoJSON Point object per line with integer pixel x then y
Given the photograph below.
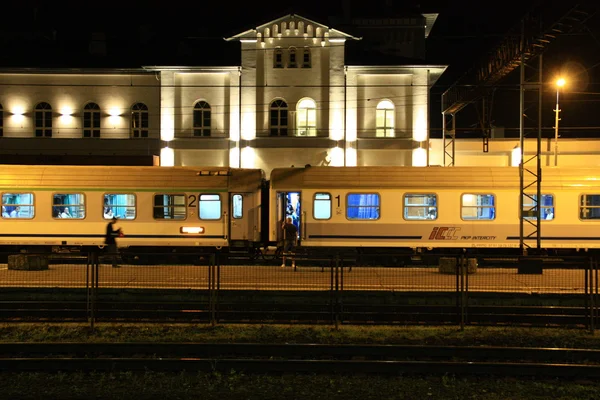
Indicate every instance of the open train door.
{"type": "Point", "coordinates": [243, 219]}
{"type": "Point", "coordinates": [289, 204]}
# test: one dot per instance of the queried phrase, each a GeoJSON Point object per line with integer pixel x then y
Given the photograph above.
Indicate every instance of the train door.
{"type": "Point", "coordinates": [243, 218]}
{"type": "Point", "coordinates": [289, 204]}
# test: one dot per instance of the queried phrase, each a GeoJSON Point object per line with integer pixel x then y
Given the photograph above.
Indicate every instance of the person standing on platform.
{"type": "Point", "coordinates": [111, 241]}
{"type": "Point", "coordinates": [290, 237]}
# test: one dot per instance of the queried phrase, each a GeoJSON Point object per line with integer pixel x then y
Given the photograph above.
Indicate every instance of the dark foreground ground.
{"type": "Point", "coordinates": [235, 385]}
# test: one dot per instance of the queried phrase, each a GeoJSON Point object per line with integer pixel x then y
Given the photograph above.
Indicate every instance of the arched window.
{"type": "Point", "coordinates": [278, 58]}
{"type": "Point", "coordinates": [43, 120]}
{"type": "Point", "coordinates": [1, 121]}
{"type": "Point", "coordinates": [306, 62]}
{"type": "Point", "coordinates": [91, 120]}
{"type": "Point", "coordinates": [139, 120]}
{"type": "Point", "coordinates": [278, 118]}
{"type": "Point", "coordinates": [384, 119]}
{"type": "Point", "coordinates": [292, 60]}
{"type": "Point", "coordinates": [306, 118]}
{"type": "Point", "coordinates": [202, 119]}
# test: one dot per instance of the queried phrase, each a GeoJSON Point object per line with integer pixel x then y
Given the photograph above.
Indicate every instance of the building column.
{"type": "Point", "coordinates": [167, 117]}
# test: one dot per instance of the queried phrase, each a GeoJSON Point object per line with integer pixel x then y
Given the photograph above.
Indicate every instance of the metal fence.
{"type": "Point", "coordinates": [327, 287]}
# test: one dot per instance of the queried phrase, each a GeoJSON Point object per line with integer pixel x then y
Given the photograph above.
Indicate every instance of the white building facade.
{"type": "Point", "coordinates": [292, 101]}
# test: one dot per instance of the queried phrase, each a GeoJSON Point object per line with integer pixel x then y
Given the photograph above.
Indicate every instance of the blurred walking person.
{"type": "Point", "coordinates": [111, 241]}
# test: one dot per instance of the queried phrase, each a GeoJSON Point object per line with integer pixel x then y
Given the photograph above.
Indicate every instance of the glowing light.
{"type": "Point", "coordinates": [167, 157]}
{"type": "Point", "coordinates": [420, 129]}
{"type": "Point", "coordinates": [114, 112]}
{"type": "Point", "coordinates": [167, 130]}
{"type": "Point", "coordinates": [337, 126]}
{"type": "Point", "coordinates": [560, 82]}
{"type": "Point", "coordinates": [419, 157]}
{"type": "Point", "coordinates": [337, 157]}
{"type": "Point", "coordinates": [192, 229]}
{"type": "Point", "coordinates": [66, 112]}
{"type": "Point", "coordinates": [248, 157]}
{"type": "Point", "coordinates": [248, 40]}
{"type": "Point", "coordinates": [351, 157]}
{"type": "Point", "coordinates": [515, 157]}
{"type": "Point", "coordinates": [18, 111]}
{"type": "Point", "coordinates": [234, 157]}
{"type": "Point", "coordinates": [337, 40]}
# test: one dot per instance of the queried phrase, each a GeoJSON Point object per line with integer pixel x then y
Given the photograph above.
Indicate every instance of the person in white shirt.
{"type": "Point", "coordinates": [65, 213]}
{"type": "Point", "coordinates": [15, 213]}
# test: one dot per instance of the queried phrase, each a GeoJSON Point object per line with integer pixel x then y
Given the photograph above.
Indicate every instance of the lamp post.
{"type": "Point", "coordinates": [559, 83]}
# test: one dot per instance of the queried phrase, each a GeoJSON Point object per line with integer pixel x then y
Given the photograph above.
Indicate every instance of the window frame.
{"type": "Point", "coordinates": [233, 215]}
{"type": "Point", "coordinates": [279, 109]}
{"type": "Point", "coordinates": [365, 219]}
{"type": "Point", "coordinates": [478, 194]}
{"type": "Point", "coordinates": [292, 53]}
{"type": "Point", "coordinates": [69, 205]}
{"type": "Point", "coordinates": [385, 128]}
{"type": "Point", "coordinates": [428, 207]}
{"type": "Point", "coordinates": [95, 113]}
{"type": "Point", "coordinates": [139, 115]}
{"type": "Point", "coordinates": [299, 111]}
{"type": "Point", "coordinates": [278, 53]}
{"type": "Point", "coordinates": [154, 206]}
{"type": "Point", "coordinates": [47, 115]}
{"type": "Point", "coordinates": [580, 207]}
{"type": "Point", "coordinates": [135, 206]}
{"type": "Point", "coordinates": [553, 207]}
{"type": "Point", "coordinates": [204, 110]}
{"type": "Point", "coordinates": [306, 61]}
{"type": "Point", "coordinates": [32, 205]}
{"type": "Point", "coordinates": [314, 200]}
{"type": "Point", "coordinates": [220, 206]}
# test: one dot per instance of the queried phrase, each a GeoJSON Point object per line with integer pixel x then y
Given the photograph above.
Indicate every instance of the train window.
{"type": "Point", "coordinates": [420, 206]}
{"type": "Point", "coordinates": [547, 206]}
{"type": "Point", "coordinates": [478, 207]}
{"type": "Point", "coordinates": [68, 205]}
{"type": "Point", "coordinates": [361, 206]}
{"type": "Point", "coordinates": [237, 208]}
{"type": "Point", "coordinates": [210, 206]}
{"type": "Point", "coordinates": [589, 206]}
{"type": "Point", "coordinates": [120, 205]}
{"type": "Point", "coordinates": [169, 206]}
{"type": "Point", "coordinates": [18, 205]}
{"type": "Point", "coordinates": [322, 206]}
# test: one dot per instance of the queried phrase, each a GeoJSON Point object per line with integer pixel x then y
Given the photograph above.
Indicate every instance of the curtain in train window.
{"type": "Point", "coordinates": [547, 206]}
{"type": "Point", "coordinates": [169, 206]}
{"type": "Point", "coordinates": [362, 206]}
{"type": "Point", "coordinates": [68, 205]}
{"type": "Point", "coordinates": [18, 205]}
{"type": "Point", "coordinates": [238, 206]}
{"type": "Point", "coordinates": [122, 206]}
{"type": "Point", "coordinates": [420, 206]}
{"type": "Point", "coordinates": [478, 207]}
{"type": "Point", "coordinates": [589, 206]}
{"type": "Point", "coordinates": [210, 206]}
{"type": "Point", "coordinates": [322, 206]}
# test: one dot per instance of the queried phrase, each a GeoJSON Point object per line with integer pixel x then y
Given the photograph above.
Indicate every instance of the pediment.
{"type": "Point", "coordinates": [292, 25]}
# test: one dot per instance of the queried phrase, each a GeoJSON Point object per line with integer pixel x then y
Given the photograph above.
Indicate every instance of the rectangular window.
{"type": "Point", "coordinates": [169, 206]}
{"type": "Point", "coordinates": [322, 206]}
{"type": "Point", "coordinates": [120, 205]}
{"type": "Point", "coordinates": [210, 206]}
{"type": "Point", "coordinates": [420, 206]}
{"type": "Point", "coordinates": [478, 207]}
{"type": "Point", "coordinates": [547, 206]}
{"type": "Point", "coordinates": [237, 211]}
{"type": "Point", "coordinates": [68, 205]}
{"type": "Point", "coordinates": [362, 206]}
{"type": "Point", "coordinates": [18, 205]}
{"type": "Point", "coordinates": [589, 206]}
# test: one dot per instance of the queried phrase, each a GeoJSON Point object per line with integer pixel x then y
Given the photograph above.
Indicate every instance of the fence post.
{"type": "Point", "coordinates": [91, 284]}
{"type": "Point", "coordinates": [337, 293]}
{"type": "Point", "coordinates": [211, 288]}
{"type": "Point", "coordinates": [462, 267]}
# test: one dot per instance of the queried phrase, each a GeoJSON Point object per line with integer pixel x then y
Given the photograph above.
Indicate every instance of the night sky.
{"type": "Point", "coordinates": [42, 34]}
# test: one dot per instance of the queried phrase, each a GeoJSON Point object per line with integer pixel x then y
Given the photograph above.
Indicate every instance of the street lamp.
{"type": "Point", "coordinates": [559, 83]}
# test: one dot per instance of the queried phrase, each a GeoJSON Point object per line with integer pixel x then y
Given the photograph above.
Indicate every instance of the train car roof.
{"type": "Point", "coordinates": [428, 177]}
{"type": "Point", "coordinates": [140, 178]}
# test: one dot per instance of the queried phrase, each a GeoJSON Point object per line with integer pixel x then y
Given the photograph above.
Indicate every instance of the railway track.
{"type": "Point", "coordinates": [300, 358]}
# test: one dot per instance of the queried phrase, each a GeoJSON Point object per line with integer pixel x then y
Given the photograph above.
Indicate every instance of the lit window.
{"type": "Point", "coordinates": [322, 206]}
{"type": "Point", "coordinates": [278, 58]}
{"type": "Point", "coordinates": [278, 118]}
{"type": "Point", "coordinates": [478, 207]}
{"type": "Point", "coordinates": [122, 206]}
{"type": "Point", "coordinates": [237, 211]}
{"type": "Point", "coordinates": [43, 120]}
{"type": "Point", "coordinates": [169, 206]}
{"type": "Point", "coordinates": [385, 119]}
{"type": "Point", "coordinates": [91, 120]}
{"type": "Point", "coordinates": [306, 118]}
{"type": "Point", "coordinates": [589, 206]}
{"type": "Point", "coordinates": [18, 205]}
{"type": "Point", "coordinates": [306, 62]}
{"type": "Point", "coordinates": [68, 205]}
{"type": "Point", "coordinates": [202, 119]}
{"type": "Point", "coordinates": [139, 121]}
{"type": "Point", "coordinates": [362, 206]}
{"type": "Point", "coordinates": [530, 202]}
{"type": "Point", "coordinates": [420, 206]}
{"type": "Point", "coordinates": [210, 206]}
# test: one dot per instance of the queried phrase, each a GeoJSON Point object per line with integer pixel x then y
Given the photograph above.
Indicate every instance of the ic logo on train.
{"type": "Point", "coordinates": [444, 233]}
